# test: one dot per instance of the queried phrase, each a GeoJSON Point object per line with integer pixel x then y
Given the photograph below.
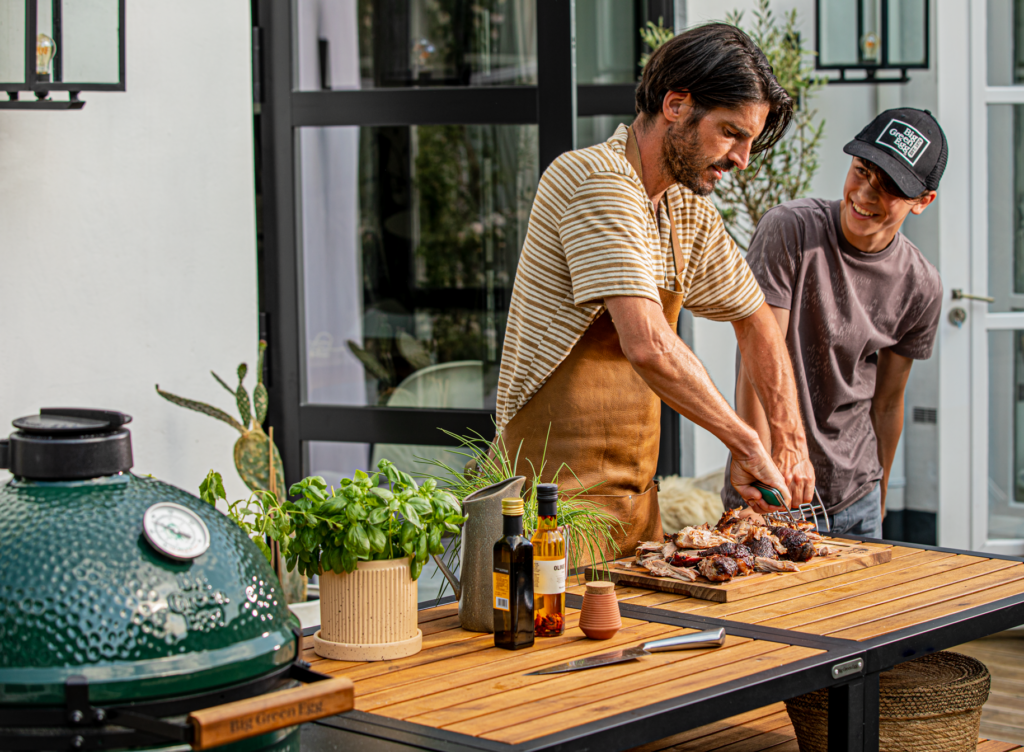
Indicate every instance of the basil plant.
{"type": "Point", "coordinates": [385, 515]}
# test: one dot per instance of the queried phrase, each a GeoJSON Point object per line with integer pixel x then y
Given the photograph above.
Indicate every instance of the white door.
{"type": "Point", "coordinates": [995, 330]}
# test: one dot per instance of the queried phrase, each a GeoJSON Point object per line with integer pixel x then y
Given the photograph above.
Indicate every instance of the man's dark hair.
{"type": "Point", "coordinates": [719, 66]}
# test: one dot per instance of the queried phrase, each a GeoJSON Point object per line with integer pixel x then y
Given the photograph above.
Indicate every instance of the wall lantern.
{"type": "Point", "coordinates": [872, 36]}
{"type": "Point", "coordinates": [59, 45]}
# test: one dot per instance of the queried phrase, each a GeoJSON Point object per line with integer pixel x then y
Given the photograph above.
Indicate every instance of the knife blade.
{"type": "Point", "coordinates": [710, 638]}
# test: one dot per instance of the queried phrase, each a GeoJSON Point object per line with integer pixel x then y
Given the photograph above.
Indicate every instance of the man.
{"type": "Point", "coordinates": [857, 303]}
{"type": "Point", "coordinates": [620, 236]}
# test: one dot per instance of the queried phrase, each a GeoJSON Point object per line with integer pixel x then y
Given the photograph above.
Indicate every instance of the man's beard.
{"type": "Point", "coordinates": [685, 162]}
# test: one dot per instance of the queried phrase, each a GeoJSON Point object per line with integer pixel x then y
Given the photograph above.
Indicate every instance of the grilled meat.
{"type": "Point", "coordinates": [726, 549]}
{"type": "Point", "coordinates": [647, 550]}
{"type": "Point", "coordinates": [718, 568]}
{"type": "Point", "coordinates": [763, 548]}
{"type": "Point", "coordinates": [699, 537]}
{"type": "Point", "coordinates": [668, 548]}
{"type": "Point", "coordinates": [660, 568]}
{"type": "Point", "coordinates": [762, 564]}
{"type": "Point", "coordinates": [685, 558]}
{"type": "Point", "coordinates": [798, 546]}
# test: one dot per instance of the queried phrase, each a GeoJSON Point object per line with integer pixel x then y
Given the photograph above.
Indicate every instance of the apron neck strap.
{"type": "Point", "coordinates": [633, 157]}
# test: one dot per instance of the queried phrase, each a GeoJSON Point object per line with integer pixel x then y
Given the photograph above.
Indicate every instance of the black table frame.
{"type": "Point", "coordinates": [853, 698]}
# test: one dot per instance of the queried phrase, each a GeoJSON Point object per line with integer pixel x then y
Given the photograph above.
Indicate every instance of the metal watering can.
{"type": "Point", "coordinates": [482, 529]}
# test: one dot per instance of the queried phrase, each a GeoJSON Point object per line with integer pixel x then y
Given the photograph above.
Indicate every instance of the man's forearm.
{"type": "Point", "coordinates": [767, 365]}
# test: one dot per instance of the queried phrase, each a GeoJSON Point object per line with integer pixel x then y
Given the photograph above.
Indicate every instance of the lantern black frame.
{"type": "Point", "coordinates": [43, 88]}
{"type": "Point", "coordinates": [870, 69]}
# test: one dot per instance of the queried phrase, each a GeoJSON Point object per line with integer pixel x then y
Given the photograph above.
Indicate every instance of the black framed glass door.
{"type": "Point", "coordinates": [401, 142]}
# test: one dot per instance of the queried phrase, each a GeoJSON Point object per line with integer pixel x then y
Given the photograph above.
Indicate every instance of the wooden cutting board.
{"type": "Point", "coordinates": [858, 555]}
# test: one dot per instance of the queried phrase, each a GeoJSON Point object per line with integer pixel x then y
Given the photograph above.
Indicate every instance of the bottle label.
{"type": "Point", "coordinates": [501, 591]}
{"type": "Point", "coordinates": [548, 577]}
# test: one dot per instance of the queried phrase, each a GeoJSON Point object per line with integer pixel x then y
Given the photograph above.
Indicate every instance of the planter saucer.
{"type": "Point", "coordinates": [381, 651]}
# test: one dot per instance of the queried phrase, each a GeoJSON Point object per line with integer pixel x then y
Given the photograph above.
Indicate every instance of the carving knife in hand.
{"type": "Point", "coordinates": [711, 638]}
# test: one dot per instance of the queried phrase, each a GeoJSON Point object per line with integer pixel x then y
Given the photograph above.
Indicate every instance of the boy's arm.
{"type": "Point", "coordinates": [887, 409]}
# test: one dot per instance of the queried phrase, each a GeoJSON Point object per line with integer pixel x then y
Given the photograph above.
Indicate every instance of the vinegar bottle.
{"type": "Point", "coordinates": [548, 566]}
{"type": "Point", "coordinates": [513, 581]}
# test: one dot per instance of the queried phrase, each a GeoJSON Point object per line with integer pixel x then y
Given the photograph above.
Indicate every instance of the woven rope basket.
{"type": "Point", "coordinates": [932, 704]}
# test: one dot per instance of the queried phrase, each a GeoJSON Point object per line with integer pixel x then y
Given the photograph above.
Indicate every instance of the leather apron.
{"type": "Point", "coordinates": [597, 416]}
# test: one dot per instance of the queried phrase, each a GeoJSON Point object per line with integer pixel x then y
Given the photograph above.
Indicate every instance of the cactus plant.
{"type": "Point", "coordinates": [252, 450]}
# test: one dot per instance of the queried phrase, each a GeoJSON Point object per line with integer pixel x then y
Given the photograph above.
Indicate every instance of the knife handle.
{"type": "Point", "coordinates": [710, 638]}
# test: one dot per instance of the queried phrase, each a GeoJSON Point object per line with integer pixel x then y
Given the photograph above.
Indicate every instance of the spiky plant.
{"type": "Point", "coordinates": [252, 450]}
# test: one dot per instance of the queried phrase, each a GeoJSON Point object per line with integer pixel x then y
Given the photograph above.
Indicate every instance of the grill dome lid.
{"type": "Point", "coordinates": [84, 591]}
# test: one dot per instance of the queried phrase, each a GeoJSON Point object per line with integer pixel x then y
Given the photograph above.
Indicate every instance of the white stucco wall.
{"type": "Point", "coordinates": [127, 240]}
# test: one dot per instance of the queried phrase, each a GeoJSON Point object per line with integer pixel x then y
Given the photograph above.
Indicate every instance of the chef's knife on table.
{"type": "Point", "coordinates": [711, 638]}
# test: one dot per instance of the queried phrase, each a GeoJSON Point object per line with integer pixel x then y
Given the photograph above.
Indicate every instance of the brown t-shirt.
{"type": "Point", "coordinates": [845, 305]}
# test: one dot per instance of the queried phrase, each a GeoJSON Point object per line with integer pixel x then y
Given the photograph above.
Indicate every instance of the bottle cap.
{"type": "Point", "coordinates": [547, 499]}
{"type": "Point", "coordinates": [512, 507]}
{"type": "Point", "coordinates": [600, 587]}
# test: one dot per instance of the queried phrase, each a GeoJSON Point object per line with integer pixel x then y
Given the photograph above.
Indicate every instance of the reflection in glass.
{"type": "Point", "coordinates": [12, 41]}
{"type": "Point", "coordinates": [599, 128]}
{"type": "Point", "coordinates": [851, 33]}
{"type": "Point", "coordinates": [346, 44]}
{"type": "Point", "coordinates": [1006, 207]}
{"type": "Point", "coordinates": [607, 42]}
{"type": "Point", "coordinates": [410, 239]}
{"type": "Point", "coordinates": [1005, 42]}
{"type": "Point", "coordinates": [1006, 434]}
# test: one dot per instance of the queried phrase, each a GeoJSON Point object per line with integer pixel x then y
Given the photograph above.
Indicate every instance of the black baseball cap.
{"type": "Point", "coordinates": [908, 145]}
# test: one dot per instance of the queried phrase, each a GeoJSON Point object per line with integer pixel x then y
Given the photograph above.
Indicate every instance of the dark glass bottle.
{"type": "Point", "coordinates": [548, 566]}
{"type": "Point", "coordinates": [513, 581]}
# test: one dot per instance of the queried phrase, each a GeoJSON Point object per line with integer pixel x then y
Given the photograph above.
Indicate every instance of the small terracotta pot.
{"type": "Point", "coordinates": [600, 618]}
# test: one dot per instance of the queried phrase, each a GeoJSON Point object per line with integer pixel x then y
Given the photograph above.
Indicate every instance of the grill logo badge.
{"type": "Point", "coordinates": [905, 140]}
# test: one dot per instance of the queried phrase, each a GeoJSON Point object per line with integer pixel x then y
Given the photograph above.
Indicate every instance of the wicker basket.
{"type": "Point", "coordinates": [932, 704]}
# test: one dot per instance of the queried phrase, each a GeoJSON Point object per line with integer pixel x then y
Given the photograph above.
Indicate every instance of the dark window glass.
{"type": "Point", "coordinates": [607, 42]}
{"type": "Point", "coordinates": [598, 128]}
{"type": "Point", "coordinates": [410, 238]}
{"type": "Point", "coordinates": [351, 44]}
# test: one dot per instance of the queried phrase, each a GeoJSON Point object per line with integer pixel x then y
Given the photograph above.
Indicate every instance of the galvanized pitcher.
{"type": "Point", "coordinates": [482, 529]}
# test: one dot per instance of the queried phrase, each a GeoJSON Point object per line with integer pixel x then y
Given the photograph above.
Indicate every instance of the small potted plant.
{"type": "Point", "coordinates": [368, 540]}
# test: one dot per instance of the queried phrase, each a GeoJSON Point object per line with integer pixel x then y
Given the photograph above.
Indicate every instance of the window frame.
{"type": "Point", "coordinates": [553, 104]}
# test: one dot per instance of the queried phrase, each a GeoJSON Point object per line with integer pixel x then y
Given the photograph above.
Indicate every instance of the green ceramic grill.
{"type": "Point", "coordinates": [133, 614]}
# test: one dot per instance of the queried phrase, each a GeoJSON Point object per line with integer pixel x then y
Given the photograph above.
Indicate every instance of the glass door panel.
{"type": "Point", "coordinates": [353, 44]}
{"type": "Point", "coordinates": [410, 238]}
{"type": "Point", "coordinates": [1006, 435]}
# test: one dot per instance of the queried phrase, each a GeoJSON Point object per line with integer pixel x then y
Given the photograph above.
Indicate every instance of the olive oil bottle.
{"type": "Point", "coordinates": [548, 566]}
{"type": "Point", "coordinates": [513, 581]}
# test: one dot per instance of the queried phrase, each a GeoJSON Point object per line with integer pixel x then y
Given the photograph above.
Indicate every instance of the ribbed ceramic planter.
{"type": "Point", "coordinates": [369, 614]}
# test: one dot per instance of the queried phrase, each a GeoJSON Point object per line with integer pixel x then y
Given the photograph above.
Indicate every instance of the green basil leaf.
{"type": "Point", "coordinates": [421, 548]}
{"type": "Point", "coordinates": [434, 544]}
{"type": "Point", "coordinates": [410, 515]}
{"type": "Point", "coordinates": [415, 569]}
{"type": "Point", "coordinates": [378, 542]}
{"type": "Point", "coordinates": [349, 560]}
{"type": "Point", "coordinates": [450, 527]}
{"type": "Point", "coordinates": [377, 515]}
{"type": "Point", "coordinates": [428, 486]}
{"type": "Point", "coordinates": [382, 493]}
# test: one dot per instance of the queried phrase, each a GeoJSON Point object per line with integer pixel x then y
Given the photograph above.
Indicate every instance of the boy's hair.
{"type": "Point", "coordinates": [719, 66]}
{"type": "Point", "coordinates": [881, 181]}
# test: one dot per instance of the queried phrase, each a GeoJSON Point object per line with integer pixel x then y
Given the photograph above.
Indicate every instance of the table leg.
{"type": "Point", "coordinates": [846, 717]}
{"type": "Point", "coordinates": [871, 700]}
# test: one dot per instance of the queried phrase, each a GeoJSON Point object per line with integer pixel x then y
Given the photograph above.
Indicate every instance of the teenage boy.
{"type": "Point", "coordinates": [857, 303]}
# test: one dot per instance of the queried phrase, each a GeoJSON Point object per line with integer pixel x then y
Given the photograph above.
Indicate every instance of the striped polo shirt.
{"type": "Point", "coordinates": [593, 234]}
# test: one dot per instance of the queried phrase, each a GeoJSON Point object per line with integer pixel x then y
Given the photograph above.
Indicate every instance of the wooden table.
{"type": "Point", "coordinates": [461, 693]}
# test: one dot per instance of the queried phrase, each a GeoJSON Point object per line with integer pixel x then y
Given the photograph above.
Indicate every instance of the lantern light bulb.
{"type": "Point", "coordinates": [46, 48]}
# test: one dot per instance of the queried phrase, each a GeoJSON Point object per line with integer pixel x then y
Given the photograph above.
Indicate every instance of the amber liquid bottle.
{"type": "Point", "coordinates": [548, 566]}
{"type": "Point", "coordinates": [513, 581]}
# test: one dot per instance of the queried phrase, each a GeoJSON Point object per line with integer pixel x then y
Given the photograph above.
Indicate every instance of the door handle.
{"type": "Point", "coordinates": [959, 294]}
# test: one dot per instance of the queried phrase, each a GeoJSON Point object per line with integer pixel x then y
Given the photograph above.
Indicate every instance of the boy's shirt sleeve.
{"type": "Point", "coordinates": [774, 255]}
{"type": "Point", "coordinates": [919, 341]}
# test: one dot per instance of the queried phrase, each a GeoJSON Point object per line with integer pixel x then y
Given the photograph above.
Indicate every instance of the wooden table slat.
{"type": "Point", "coordinates": [426, 688]}
{"type": "Point", "coordinates": [916, 582]}
{"type": "Point", "coordinates": [563, 712]}
{"type": "Point", "coordinates": [524, 698]}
